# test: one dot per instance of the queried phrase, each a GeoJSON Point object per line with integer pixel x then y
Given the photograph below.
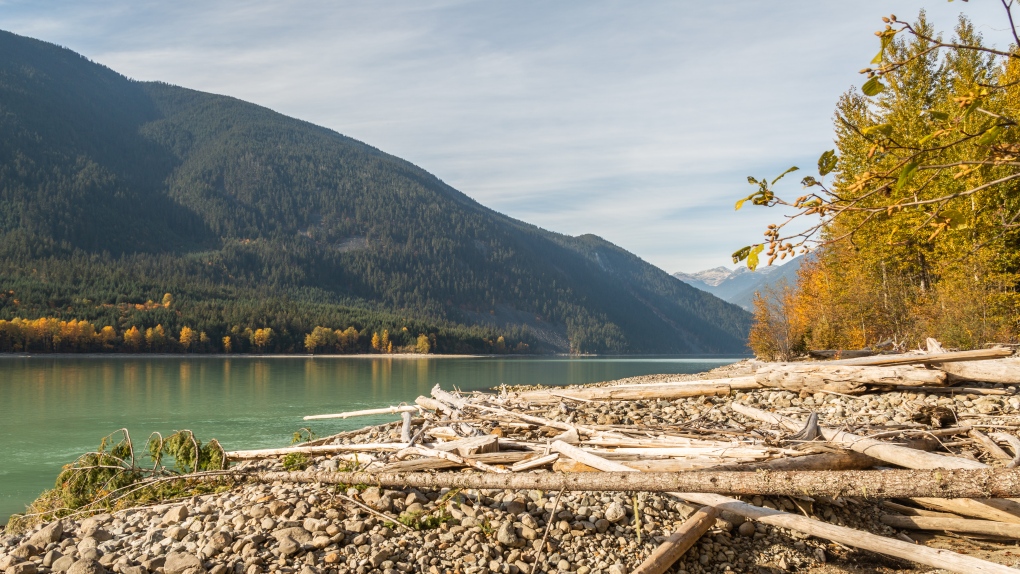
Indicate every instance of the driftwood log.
{"type": "Point", "coordinates": [364, 413]}
{"type": "Point", "coordinates": [636, 392]}
{"type": "Point", "coordinates": [999, 509]}
{"type": "Point", "coordinates": [1003, 371]}
{"type": "Point", "coordinates": [846, 379]}
{"type": "Point", "coordinates": [865, 540]}
{"type": "Point", "coordinates": [987, 527]}
{"type": "Point", "coordinates": [922, 359]}
{"type": "Point", "coordinates": [860, 483]}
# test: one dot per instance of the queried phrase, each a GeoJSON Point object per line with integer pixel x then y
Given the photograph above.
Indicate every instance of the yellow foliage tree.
{"type": "Point", "coordinates": [134, 340]}
{"type": "Point", "coordinates": [422, 345]}
{"type": "Point", "coordinates": [187, 337]}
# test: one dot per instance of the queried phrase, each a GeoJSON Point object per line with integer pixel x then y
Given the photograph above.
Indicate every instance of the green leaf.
{"type": "Point", "coordinates": [741, 254]}
{"type": "Point", "coordinates": [938, 116]}
{"type": "Point", "coordinates": [809, 182]}
{"type": "Point", "coordinates": [879, 129]}
{"type": "Point", "coordinates": [906, 174]}
{"type": "Point", "coordinates": [827, 162]}
{"type": "Point", "coordinates": [752, 257]}
{"type": "Point", "coordinates": [752, 180]}
{"type": "Point", "coordinates": [741, 202]}
{"type": "Point", "coordinates": [872, 87]}
{"type": "Point", "coordinates": [990, 136]}
{"type": "Point", "coordinates": [928, 137]}
{"type": "Point", "coordinates": [780, 176]}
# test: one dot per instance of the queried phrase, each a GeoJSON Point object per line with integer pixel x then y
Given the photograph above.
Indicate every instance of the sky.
{"type": "Point", "coordinates": [635, 121]}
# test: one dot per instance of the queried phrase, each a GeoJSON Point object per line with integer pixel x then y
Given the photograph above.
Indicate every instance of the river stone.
{"type": "Point", "coordinates": [22, 568]}
{"type": "Point", "coordinates": [298, 534]}
{"type": "Point", "coordinates": [279, 508]}
{"type": "Point", "coordinates": [51, 533]}
{"type": "Point", "coordinates": [132, 570]}
{"type": "Point", "coordinates": [379, 557]}
{"type": "Point", "coordinates": [7, 561]}
{"type": "Point", "coordinates": [25, 551]}
{"type": "Point", "coordinates": [181, 563]}
{"type": "Point", "coordinates": [86, 566]}
{"type": "Point", "coordinates": [62, 564]}
{"type": "Point", "coordinates": [615, 512]}
{"type": "Point", "coordinates": [506, 535]}
{"type": "Point", "coordinates": [288, 546]}
{"type": "Point", "coordinates": [50, 558]}
{"type": "Point", "coordinates": [175, 515]}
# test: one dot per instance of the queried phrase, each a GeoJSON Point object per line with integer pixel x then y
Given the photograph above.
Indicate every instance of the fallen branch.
{"type": "Point", "coordinates": [679, 542]}
{"type": "Point", "coordinates": [314, 450]}
{"type": "Point", "coordinates": [846, 379]}
{"type": "Point", "coordinates": [919, 359]}
{"type": "Point", "coordinates": [366, 412]}
{"type": "Point", "coordinates": [848, 536]}
{"type": "Point", "coordinates": [991, 509]}
{"type": "Point", "coordinates": [635, 392]}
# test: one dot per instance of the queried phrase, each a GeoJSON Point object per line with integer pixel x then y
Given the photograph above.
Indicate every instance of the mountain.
{"type": "Point", "coordinates": [739, 285]}
{"type": "Point", "coordinates": [114, 192]}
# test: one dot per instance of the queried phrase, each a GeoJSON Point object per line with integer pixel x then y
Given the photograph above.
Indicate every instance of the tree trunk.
{"type": "Point", "coordinates": [812, 377]}
{"type": "Point", "coordinates": [367, 412]}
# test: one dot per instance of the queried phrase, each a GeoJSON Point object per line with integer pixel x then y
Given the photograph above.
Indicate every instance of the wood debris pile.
{"type": "Point", "coordinates": [938, 469]}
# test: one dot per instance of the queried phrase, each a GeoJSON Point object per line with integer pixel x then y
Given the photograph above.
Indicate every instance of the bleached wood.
{"type": "Point", "coordinates": [1003, 510]}
{"type": "Point", "coordinates": [1013, 442]}
{"type": "Point", "coordinates": [634, 392]}
{"type": "Point", "coordinates": [314, 450]}
{"type": "Point", "coordinates": [536, 462]}
{"type": "Point", "coordinates": [451, 399]}
{"type": "Point", "coordinates": [986, 527]}
{"type": "Point", "coordinates": [922, 554]}
{"type": "Point", "coordinates": [469, 446]}
{"type": "Point", "coordinates": [433, 405]}
{"type": "Point", "coordinates": [679, 542]}
{"type": "Point", "coordinates": [366, 412]}
{"type": "Point", "coordinates": [1003, 371]}
{"type": "Point", "coordinates": [405, 426]}
{"type": "Point", "coordinates": [911, 511]}
{"type": "Point", "coordinates": [921, 359]}
{"type": "Point", "coordinates": [989, 445]}
{"type": "Point", "coordinates": [846, 379]}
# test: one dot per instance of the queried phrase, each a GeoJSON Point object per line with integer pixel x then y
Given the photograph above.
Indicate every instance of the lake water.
{"type": "Point", "coordinates": [52, 409]}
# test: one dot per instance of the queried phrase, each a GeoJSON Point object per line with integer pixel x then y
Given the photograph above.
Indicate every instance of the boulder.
{"type": "Point", "coordinates": [50, 533]}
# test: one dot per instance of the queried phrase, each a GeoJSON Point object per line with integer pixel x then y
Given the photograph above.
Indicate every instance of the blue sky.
{"type": "Point", "coordinates": [635, 121]}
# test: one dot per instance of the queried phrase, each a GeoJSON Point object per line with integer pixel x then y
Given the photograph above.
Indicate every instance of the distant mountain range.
{"type": "Point", "coordinates": [114, 192]}
{"type": "Point", "coordinates": [739, 285]}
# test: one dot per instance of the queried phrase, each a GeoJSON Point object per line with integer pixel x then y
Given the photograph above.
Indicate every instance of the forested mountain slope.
{"type": "Point", "coordinates": [114, 192]}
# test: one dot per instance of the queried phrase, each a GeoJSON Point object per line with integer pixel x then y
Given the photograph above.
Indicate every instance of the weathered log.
{"type": "Point", "coordinates": [405, 427]}
{"type": "Point", "coordinates": [921, 359]}
{"type": "Point", "coordinates": [432, 453]}
{"type": "Point", "coordinates": [1013, 442]}
{"type": "Point", "coordinates": [860, 483]}
{"type": "Point", "coordinates": [433, 405]}
{"type": "Point", "coordinates": [469, 446]}
{"type": "Point", "coordinates": [679, 542]}
{"type": "Point", "coordinates": [841, 353]}
{"type": "Point", "coordinates": [313, 450]}
{"type": "Point", "coordinates": [994, 450]}
{"type": "Point", "coordinates": [366, 412]}
{"type": "Point", "coordinates": [813, 377]}
{"type": "Point", "coordinates": [634, 392]}
{"type": "Point", "coordinates": [847, 536]}
{"type": "Point", "coordinates": [1003, 371]}
{"type": "Point", "coordinates": [911, 511]}
{"type": "Point", "coordinates": [991, 509]}
{"type": "Point", "coordinates": [842, 460]}
{"type": "Point", "coordinates": [987, 527]}
{"type": "Point", "coordinates": [535, 462]}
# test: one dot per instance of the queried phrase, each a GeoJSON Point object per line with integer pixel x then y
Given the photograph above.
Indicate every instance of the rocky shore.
{"type": "Point", "coordinates": [285, 527]}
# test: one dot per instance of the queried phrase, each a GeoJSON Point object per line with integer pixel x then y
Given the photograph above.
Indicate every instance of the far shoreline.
{"type": "Point", "coordinates": [401, 356]}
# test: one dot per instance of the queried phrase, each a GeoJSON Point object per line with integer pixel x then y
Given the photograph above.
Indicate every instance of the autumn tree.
{"type": "Point", "coordinates": [186, 338]}
{"type": "Point", "coordinates": [262, 338]}
{"type": "Point", "coordinates": [914, 216]}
